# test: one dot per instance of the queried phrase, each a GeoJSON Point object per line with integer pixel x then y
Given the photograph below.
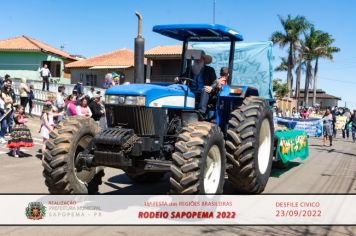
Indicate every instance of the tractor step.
{"type": "Point", "coordinates": [157, 165]}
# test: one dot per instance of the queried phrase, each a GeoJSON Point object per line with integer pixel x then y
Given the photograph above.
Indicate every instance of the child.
{"type": "Point", "coordinates": [31, 97]}
{"type": "Point", "coordinates": [47, 124]}
{"type": "Point", "coordinates": [2, 121]}
{"type": "Point", "coordinates": [21, 134]}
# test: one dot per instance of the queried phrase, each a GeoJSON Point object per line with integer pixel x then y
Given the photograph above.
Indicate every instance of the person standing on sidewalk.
{"type": "Point", "coordinates": [353, 127]}
{"type": "Point", "coordinates": [9, 97]}
{"type": "Point", "coordinates": [31, 97]}
{"type": "Point", "coordinates": [45, 74]}
{"type": "Point", "coordinates": [23, 92]}
{"type": "Point", "coordinates": [2, 121]}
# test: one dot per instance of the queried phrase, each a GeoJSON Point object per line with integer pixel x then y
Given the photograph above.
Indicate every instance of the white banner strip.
{"type": "Point", "coordinates": [177, 210]}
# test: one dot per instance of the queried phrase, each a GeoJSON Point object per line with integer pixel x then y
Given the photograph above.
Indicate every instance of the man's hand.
{"type": "Point", "coordinates": [208, 89]}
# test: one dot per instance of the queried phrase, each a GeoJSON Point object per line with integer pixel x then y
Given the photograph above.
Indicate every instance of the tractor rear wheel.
{"type": "Point", "coordinates": [249, 145]}
{"type": "Point", "coordinates": [67, 140]}
{"type": "Point", "coordinates": [199, 160]}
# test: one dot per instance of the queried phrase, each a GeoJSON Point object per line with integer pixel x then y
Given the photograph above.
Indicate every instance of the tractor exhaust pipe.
{"type": "Point", "coordinates": [139, 53]}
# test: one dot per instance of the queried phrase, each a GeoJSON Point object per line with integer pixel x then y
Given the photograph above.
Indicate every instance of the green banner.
{"type": "Point", "coordinates": [291, 145]}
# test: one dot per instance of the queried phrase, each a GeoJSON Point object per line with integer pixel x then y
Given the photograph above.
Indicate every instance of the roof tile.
{"type": "Point", "coordinates": [122, 57]}
{"type": "Point", "coordinates": [24, 43]}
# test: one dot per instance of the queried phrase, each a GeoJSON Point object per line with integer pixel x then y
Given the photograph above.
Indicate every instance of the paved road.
{"type": "Point", "coordinates": [327, 170]}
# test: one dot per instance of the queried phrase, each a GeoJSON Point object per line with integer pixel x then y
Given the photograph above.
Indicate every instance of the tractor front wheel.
{"type": "Point", "coordinates": [61, 171]}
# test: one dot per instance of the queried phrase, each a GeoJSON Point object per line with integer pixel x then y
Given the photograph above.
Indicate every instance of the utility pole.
{"type": "Point", "coordinates": [214, 4]}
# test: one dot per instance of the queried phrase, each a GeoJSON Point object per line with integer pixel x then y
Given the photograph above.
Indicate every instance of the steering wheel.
{"type": "Point", "coordinates": [182, 79]}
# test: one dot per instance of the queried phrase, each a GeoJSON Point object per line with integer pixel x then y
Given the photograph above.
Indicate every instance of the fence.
{"type": "Point", "coordinates": [42, 96]}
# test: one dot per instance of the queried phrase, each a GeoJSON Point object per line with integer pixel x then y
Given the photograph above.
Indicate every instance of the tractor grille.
{"type": "Point", "coordinates": [144, 121]}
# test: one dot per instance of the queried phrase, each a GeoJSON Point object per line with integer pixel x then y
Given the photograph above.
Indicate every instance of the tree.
{"type": "Point", "coordinates": [324, 49]}
{"type": "Point", "coordinates": [293, 28]}
{"type": "Point", "coordinates": [281, 89]}
{"type": "Point", "coordinates": [318, 44]}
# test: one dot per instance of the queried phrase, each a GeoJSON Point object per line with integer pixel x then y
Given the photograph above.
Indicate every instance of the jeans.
{"type": "Point", "coordinates": [45, 81]}
{"type": "Point", "coordinates": [204, 100]}
{"type": "Point", "coordinates": [9, 122]}
{"type": "Point", "coordinates": [345, 132]}
{"type": "Point", "coordinates": [24, 102]}
{"type": "Point", "coordinates": [354, 133]}
{"type": "Point", "coordinates": [2, 128]}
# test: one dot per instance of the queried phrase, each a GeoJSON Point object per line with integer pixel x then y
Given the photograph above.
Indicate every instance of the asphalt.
{"type": "Point", "coordinates": [326, 170]}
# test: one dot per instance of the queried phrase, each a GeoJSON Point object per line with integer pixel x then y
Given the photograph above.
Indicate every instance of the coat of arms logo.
{"type": "Point", "coordinates": [35, 211]}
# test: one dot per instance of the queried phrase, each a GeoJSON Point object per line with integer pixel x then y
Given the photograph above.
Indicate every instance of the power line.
{"type": "Point", "coordinates": [336, 80]}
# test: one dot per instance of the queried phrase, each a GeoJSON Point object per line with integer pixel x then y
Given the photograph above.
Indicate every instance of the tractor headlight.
{"type": "Point", "coordinates": [125, 100]}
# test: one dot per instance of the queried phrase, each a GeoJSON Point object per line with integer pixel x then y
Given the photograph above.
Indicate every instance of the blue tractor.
{"type": "Point", "coordinates": [156, 128]}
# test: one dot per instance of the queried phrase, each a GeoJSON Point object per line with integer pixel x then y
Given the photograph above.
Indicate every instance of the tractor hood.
{"type": "Point", "coordinates": [169, 96]}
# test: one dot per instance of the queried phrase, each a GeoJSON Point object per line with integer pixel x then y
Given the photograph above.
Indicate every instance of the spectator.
{"type": "Point", "coordinates": [23, 92]}
{"type": "Point", "coordinates": [91, 93]}
{"type": "Point", "coordinates": [79, 88]}
{"type": "Point", "coordinates": [328, 126]}
{"type": "Point", "coordinates": [45, 74]}
{"type": "Point", "coordinates": [116, 78]}
{"type": "Point", "coordinates": [60, 102]}
{"type": "Point", "coordinates": [96, 108]}
{"type": "Point", "coordinates": [287, 113]}
{"type": "Point", "coordinates": [335, 113]}
{"type": "Point", "coordinates": [2, 121]}
{"type": "Point", "coordinates": [71, 105]}
{"type": "Point", "coordinates": [304, 113]}
{"type": "Point", "coordinates": [345, 130]}
{"type": "Point", "coordinates": [21, 134]}
{"type": "Point", "coordinates": [2, 80]}
{"type": "Point", "coordinates": [83, 109]}
{"type": "Point", "coordinates": [295, 114]}
{"type": "Point", "coordinates": [108, 81]}
{"type": "Point", "coordinates": [31, 97]}
{"type": "Point", "coordinates": [352, 121]}
{"type": "Point", "coordinates": [47, 124]}
{"type": "Point", "coordinates": [9, 97]}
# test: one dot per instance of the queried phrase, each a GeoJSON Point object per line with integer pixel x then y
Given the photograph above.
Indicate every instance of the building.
{"type": "Point", "coordinates": [322, 98]}
{"type": "Point", "coordinates": [92, 70]}
{"type": "Point", "coordinates": [24, 56]}
{"type": "Point", "coordinates": [163, 63]}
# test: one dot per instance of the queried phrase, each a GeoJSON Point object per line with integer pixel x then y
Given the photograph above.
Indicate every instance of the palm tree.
{"type": "Point", "coordinates": [325, 50]}
{"type": "Point", "coordinates": [293, 28]}
{"type": "Point", "coordinates": [308, 47]}
{"type": "Point", "coordinates": [318, 44]}
{"type": "Point", "coordinates": [283, 66]}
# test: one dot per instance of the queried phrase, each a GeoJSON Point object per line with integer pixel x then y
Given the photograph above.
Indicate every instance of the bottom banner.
{"type": "Point", "coordinates": [178, 210]}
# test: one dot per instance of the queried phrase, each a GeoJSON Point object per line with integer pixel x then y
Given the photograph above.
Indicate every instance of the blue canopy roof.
{"type": "Point", "coordinates": [199, 32]}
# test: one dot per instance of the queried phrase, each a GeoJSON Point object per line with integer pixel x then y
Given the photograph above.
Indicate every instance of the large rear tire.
{"type": "Point", "coordinates": [70, 137]}
{"type": "Point", "coordinates": [199, 160]}
{"type": "Point", "coordinates": [249, 145]}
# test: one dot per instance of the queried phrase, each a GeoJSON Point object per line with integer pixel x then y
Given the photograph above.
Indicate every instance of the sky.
{"type": "Point", "coordinates": [94, 27]}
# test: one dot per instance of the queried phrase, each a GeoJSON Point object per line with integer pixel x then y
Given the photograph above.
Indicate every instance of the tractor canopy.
{"type": "Point", "coordinates": [199, 32]}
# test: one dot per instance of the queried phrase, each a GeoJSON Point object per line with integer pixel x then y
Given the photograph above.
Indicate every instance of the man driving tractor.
{"type": "Point", "coordinates": [203, 80]}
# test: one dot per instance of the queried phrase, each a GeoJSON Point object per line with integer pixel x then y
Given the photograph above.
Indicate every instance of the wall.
{"type": "Point", "coordinates": [165, 70]}
{"type": "Point", "coordinates": [27, 64]}
{"type": "Point", "coordinates": [324, 102]}
{"type": "Point", "coordinates": [78, 73]}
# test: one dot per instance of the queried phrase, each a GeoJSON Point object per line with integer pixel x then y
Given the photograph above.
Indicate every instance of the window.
{"type": "Point", "coordinates": [54, 67]}
{"type": "Point", "coordinates": [90, 80]}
